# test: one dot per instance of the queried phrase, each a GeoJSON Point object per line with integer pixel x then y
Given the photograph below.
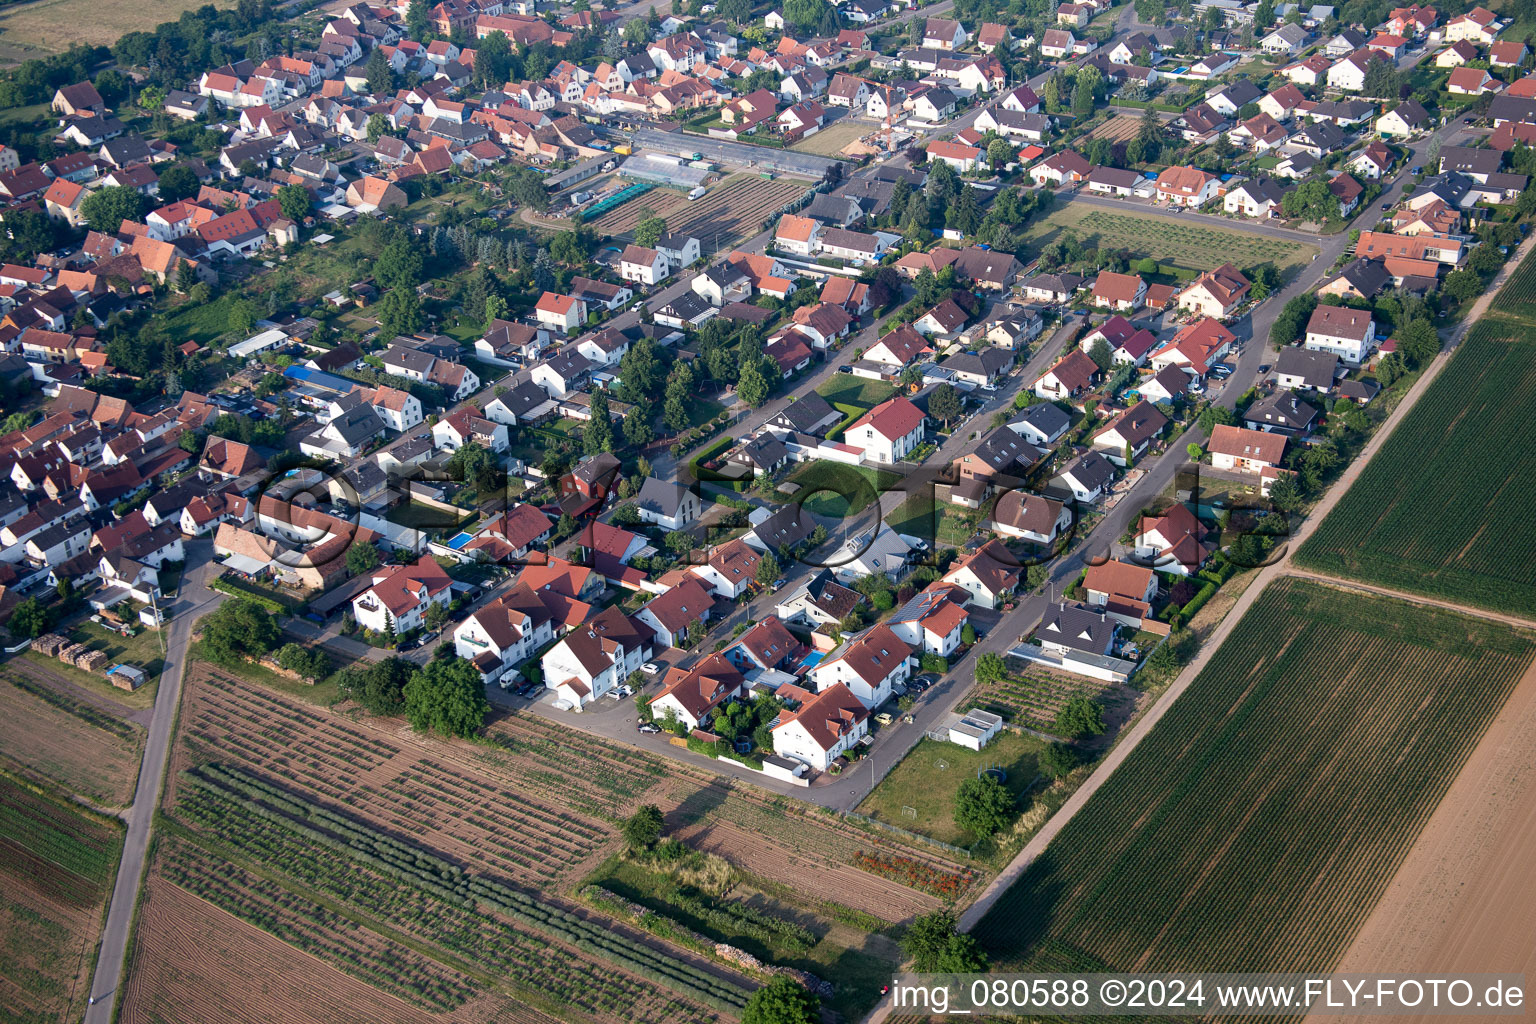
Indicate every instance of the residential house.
{"type": "Point", "coordinates": [1121, 590]}
{"type": "Point", "coordinates": [1173, 542]}
{"type": "Point", "coordinates": [671, 506]}
{"type": "Point", "coordinates": [868, 667]}
{"type": "Point", "coordinates": [1129, 435]}
{"type": "Point", "coordinates": [730, 570]}
{"type": "Point", "coordinates": [1072, 374]}
{"type": "Point", "coordinates": [1344, 331]}
{"type": "Point", "coordinates": [1215, 293]}
{"type": "Point", "coordinates": [889, 432]}
{"type": "Point", "coordinates": [1244, 450]}
{"type": "Point", "coordinates": [989, 575]}
{"type": "Point", "coordinates": [673, 612]}
{"type": "Point", "coordinates": [596, 656]}
{"type": "Point", "coordinates": [400, 596]}
{"type": "Point", "coordinates": [821, 729]}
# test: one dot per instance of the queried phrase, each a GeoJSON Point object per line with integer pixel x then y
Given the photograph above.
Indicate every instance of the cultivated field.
{"type": "Point", "coordinates": [67, 740]}
{"type": "Point", "coordinates": [55, 872]}
{"type": "Point", "coordinates": [1441, 510]}
{"type": "Point", "coordinates": [1258, 823]}
{"type": "Point", "coordinates": [919, 793]}
{"type": "Point", "coordinates": [1120, 128]}
{"type": "Point", "coordinates": [732, 210]}
{"type": "Point", "coordinates": [57, 25]}
{"type": "Point", "coordinates": [1034, 695]}
{"type": "Point", "coordinates": [437, 873]}
{"type": "Point", "coordinates": [834, 138]}
{"type": "Point", "coordinates": [1167, 240]}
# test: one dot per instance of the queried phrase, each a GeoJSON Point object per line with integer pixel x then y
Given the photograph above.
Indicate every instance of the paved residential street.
{"type": "Point", "coordinates": [195, 600]}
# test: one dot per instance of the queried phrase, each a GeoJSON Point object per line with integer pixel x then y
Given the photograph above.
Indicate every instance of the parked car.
{"type": "Point", "coordinates": [528, 689]}
{"type": "Point", "coordinates": [1222, 370]}
{"type": "Point", "coordinates": [845, 369]}
{"type": "Point", "coordinates": [647, 727]}
{"type": "Point", "coordinates": [563, 705]}
{"type": "Point", "coordinates": [650, 668]}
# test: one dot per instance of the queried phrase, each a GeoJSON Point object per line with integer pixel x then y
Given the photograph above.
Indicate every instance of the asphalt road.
{"type": "Point", "coordinates": [195, 600]}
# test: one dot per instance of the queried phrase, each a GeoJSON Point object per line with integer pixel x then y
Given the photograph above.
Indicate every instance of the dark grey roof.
{"type": "Point", "coordinates": [1265, 190]}
{"type": "Point", "coordinates": [1057, 283]}
{"type": "Point", "coordinates": [806, 412]}
{"type": "Point", "coordinates": [1316, 369]}
{"type": "Point", "coordinates": [523, 398]}
{"type": "Point", "coordinates": [355, 426]}
{"type": "Point", "coordinates": [1005, 451]}
{"type": "Point", "coordinates": [1241, 92]}
{"type": "Point", "coordinates": [1281, 410]}
{"type": "Point", "coordinates": [412, 359]}
{"type": "Point", "coordinates": [990, 362]}
{"type": "Point", "coordinates": [788, 526]}
{"type": "Point", "coordinates": [661, 497]}
{"type": "Point", "coordinates": [685, 307]}
{"type": "Point", "coordinates": [1366, 276]}
{"type": "Point", "coordinates": [1045, 417]}
{"type": "Point", "coordinates": [1092, 470]}
{"type": "Point", "coordinates": [1512, 108]}
{"type": "Point", "coordinates": [764, 451]}
{"type": "Point", "coordinates": [568, 363]}
{"type": "Point", "coordinates": [1466, 160]}
{"type": "Point", "coordinates": [1411, 112]}
{"type": "Point", "coordinates": [1077, 627]}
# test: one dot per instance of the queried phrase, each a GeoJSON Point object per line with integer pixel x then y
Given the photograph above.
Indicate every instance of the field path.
{"type": "Point", "coordinates": [1281, 567]}
{"type": "Point", "coordinates": [196, 599]}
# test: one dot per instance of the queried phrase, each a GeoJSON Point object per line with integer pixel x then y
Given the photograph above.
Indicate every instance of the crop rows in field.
{"type": "Point", "coordinates": [1517, 298]}
{"type": "Point", "coordinates": [1442, 509]}
{"type": "Point", "coordinates": [1185, 244]}
{"type": "Point", "coordinates": [1034, 696]}
{"type": "Point", "coordinates": [586, 773]}
{"type": "Point", "coordinates": [452, 807]}
{"type": "Point", "coordinates": [65, 855]}
{"type": "Point", "coordinates": [1257, 824]}
{"type": "Point", "coordinates": [470, 918]}
{"type": "Point", "coordinates": [734, 208]}
{"type": "Point", "coordinates": [343, 943]}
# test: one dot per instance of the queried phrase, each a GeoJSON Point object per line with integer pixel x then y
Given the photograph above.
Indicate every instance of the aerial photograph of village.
{"type": "Point", "coordinates": [682, 512]}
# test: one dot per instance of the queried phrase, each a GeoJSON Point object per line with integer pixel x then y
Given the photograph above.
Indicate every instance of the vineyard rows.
{"type": "Point", "coordinates": [417, 892]}
{"type": "Point", "coordinates": [1442, 508]}
{"type": "Point", "coordinates": [1257, 824]}
{"type": "Point", "coordinates": [1034, 697]}
{"type": "Point", "coordinates": [346, 945]}
{"type": "Point", "coordinates": [584, 772]}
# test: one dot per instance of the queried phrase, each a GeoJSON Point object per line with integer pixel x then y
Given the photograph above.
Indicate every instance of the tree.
{"type": "Point", "coordinates": [737, 12]}
{"type": "Point", "coordinates": [1213, 416]}
{"type": "Point", "coordinates": [649, 229]}
{"type": "Point", "coordinates": [30, 618]}
{"type": "Point", "coordinates": [944, 403]}
{"type": "Point", "coordinates": [238, 630]}
{"type": "Point", "coordinates": [493, 60]}
{"type": "Point", "coordinates": [177, 182]}
{"type": "Point", "coordinates": [999, 153]}
{"type": "Point", "coordinates": [679, 542]}
{"type": "Point", "coordinates": [399, 312]}
{"type": "Point", "coordinates": [768, 569]}
{"type": "Point", "coordinates": [567, 248]}
{"type": "Point", "coordinates": [309, 663]}
{"type": "Point", "coordinates": [417, 19]}
{"type": "Point", "coordinates": [380, 686]}
{"type": "Point", "coordinates": [446, 696]}
{"type": "Point", "coordinates": [1058, 759]}
{"type": "Point", "coordinates": [936, 947]}
{"type": "Point", "coordinates": [983, 806]}
{"type": "Point", "coordinates": [753, 387]}
{"type": "Point", "coordinates": [1418, 342]}
{"type": "Point", "coordinates": [1463, 285]}
{"type": "Point", "coordinates": [1082, 97]}
{"type": "Point", "coordinates": [399, 265]}
{"type": "Point", "coordinates": [380, 77]}
{"type": "Point", "coordinates": [1194, 451]}
{"type": "Point", "coordinates": [378, 126]}
{"type": "Point", "coordinates": [968, 634]}
{"type": "Point", "coordinates": [107, 208]}
{"type": "Point", "coordinates": [680, 397]}
{"type": "Point", "coordinates": [598, 434]}
{"type": "Point", "coordinates": [636, 32]}
{"type": "Point", "coordinates": [1080, 717]}
{"type": "Point", "coordinates": [1264, 16]}
{"type": "Point", "coordinates": [991, 668]}
{"type": "Point", "coordinates": [636, 427]}
{"type": "Point", "coordinates": [965, 215]}
{"type": "Point", "coordinates": [1101, 355]}
{"type": "Point", "coordinates": [782, 1000]}
{"type": "Point", "coordinates": [294, 200]}
{"type": "Point", "coordinates": [362, 558]}
{"type": "Point", "coordinates": [643, 828]}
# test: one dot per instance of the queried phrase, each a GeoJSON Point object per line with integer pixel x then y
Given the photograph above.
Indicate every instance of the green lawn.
{"type": "Point", "coordinates": [848, 389]}
{"type": "Point", "coordinates": [202, 324]}
{"type": "Point", "coordinates": [919, 793]}
{"type": "Point", "coordinates": [837, 490]}
{"type": "Point", "coordinates": [937, 522]}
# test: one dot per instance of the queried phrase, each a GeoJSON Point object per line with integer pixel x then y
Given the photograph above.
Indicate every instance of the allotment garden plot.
{"type": "Point", "coordinates": [1443, 509]}
{"type": "Point", "coordinates": [1032, 696]}
{"type": "Point", "coordinates": [1264, 815]}
{"type": "Point", "coordinates": [730, 211]}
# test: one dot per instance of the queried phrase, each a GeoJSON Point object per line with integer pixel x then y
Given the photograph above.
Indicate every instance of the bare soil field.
{"type": "Point", "coordinates": [1461, 901]}
{"type": "Point", "coordinates": [57, 25]}
{"type": "Point", "coordinates": [732, 210]}
{"type": "Point", "coordinates": [194, 963]}
{"type": "Point", "coordinates": [57, 739]}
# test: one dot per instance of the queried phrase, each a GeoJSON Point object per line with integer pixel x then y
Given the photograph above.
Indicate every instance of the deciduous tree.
{"type": "Point", "coordinates": [983, 806]}
{"type": "Point", "coordinates": [446, 696]}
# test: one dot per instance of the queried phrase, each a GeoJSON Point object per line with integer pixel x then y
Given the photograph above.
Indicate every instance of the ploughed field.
{"type": "Point", "coordinates": [1258, 823]}
{"type": "Point", "coordinates": [1442, 509]}
{"type": "Point", "coordinates": [732, 210]}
